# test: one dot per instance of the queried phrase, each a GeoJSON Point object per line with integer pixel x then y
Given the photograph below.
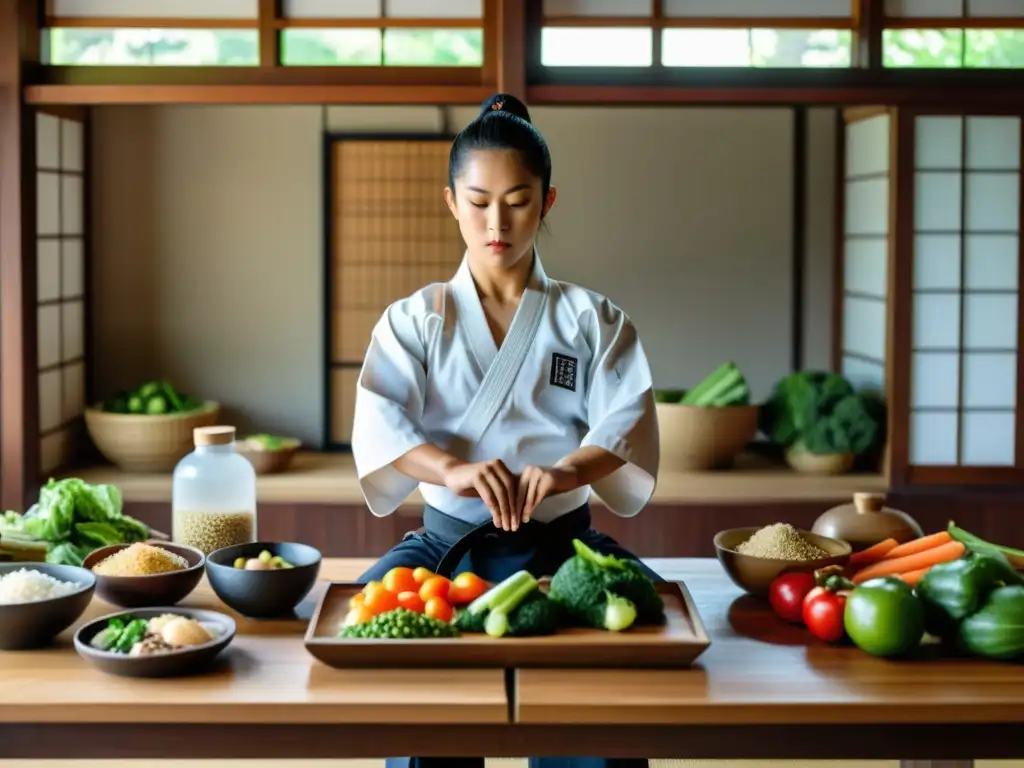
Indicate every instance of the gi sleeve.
{"type": "Point", "coordinates": [622, 417]}
{"type": "Point", "coordinates": [389, 407]}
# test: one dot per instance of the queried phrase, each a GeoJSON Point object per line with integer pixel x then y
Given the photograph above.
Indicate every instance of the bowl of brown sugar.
{"type": "Point", "coordinates": [145, 573]}
{"type": "Point", "coordinates": [754, 557]}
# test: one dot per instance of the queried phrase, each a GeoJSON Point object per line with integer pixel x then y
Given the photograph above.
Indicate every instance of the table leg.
{"type": "Point", "coordinates": [936, 764]}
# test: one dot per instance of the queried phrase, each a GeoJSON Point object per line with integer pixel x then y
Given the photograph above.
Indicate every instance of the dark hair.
{"type": "Point", "coordinates": [503, 123]}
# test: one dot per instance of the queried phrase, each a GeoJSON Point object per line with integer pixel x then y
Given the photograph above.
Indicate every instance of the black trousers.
{"type": "Point", "coordinates": [494, 555]}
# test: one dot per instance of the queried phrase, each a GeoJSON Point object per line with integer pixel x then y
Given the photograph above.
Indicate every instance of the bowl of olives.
{"type": "Point", "coordinates": [263, 580]}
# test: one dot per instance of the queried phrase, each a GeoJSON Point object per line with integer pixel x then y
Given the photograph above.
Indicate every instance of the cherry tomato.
{"type": "Point", "coordinates": [466, 587]}
{"type": "Point", "coordinates": [358, 615]}
{"type": "Point", "coordinates": [400, 580]}
{"type": "Point", "coordinates": [435, 586]}
{"type": "Point", "coordinates": [823, 614]}
{"type": "Point", "coordinates": [787, 594]}
{"type": "Point", "coordinates": [438, 608]}
{"type": "Point", "coordinates": [358, 600]}
{"type": "Point", "coordinates": [372, 586]}
{"type": "Point", "coordinates": [381, 601]}
{"type": "Point", "coordinates": [421, 574]}
{"type": "Point", "coordinates": [411, 601]}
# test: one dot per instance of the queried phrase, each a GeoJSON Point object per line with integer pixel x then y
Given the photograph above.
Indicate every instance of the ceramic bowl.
{"type": "Point", "coordinates": [263, 594]}
{"type": "Point", "coordinates": [186, 661]}
{"type": "Point", "coordinates": [36, 624]}
{"type": "Point", "coordinates": [756, 574]}
{"type": "Point", "coordinates": [144, 591]}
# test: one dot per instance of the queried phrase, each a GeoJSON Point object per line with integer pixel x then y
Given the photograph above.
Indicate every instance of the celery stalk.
{"type": "Point", "coordinates": [696, 395]}
{"type": "Point", "coordinates": [501, 592]}
{"type": "Point", "coordinates": [496, 624]}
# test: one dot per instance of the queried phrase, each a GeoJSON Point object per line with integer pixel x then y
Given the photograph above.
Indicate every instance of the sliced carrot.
{"type": "Point", "coordinates": [912, 577]}
{"type": "Point", "coordinates": [929, 557]}
{"type": "Point", "coordinates": [919, 545]}
{"type": "Point", "coordinates": [872, 554]}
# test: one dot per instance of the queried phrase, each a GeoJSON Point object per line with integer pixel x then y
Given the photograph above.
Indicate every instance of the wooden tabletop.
{"type": "Point", "coordinates": [330, 478]}
{"type": "Point", "coordinates": [760, 670]}
{"type": "Point", "coordinates": [762, 690]}
{"type": "Point", "coordinates": [265, 676]}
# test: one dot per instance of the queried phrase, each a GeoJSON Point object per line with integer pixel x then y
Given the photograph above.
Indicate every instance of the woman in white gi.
{"type": "Point", "coordinates": [504, 395]}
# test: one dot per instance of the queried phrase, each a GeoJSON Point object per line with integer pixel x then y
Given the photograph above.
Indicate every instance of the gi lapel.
{"type": "Point", "coordinates": [500, 365]}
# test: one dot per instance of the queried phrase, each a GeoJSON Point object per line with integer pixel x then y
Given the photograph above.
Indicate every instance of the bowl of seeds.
{"type": "Point", "coordinates": [754, 557]}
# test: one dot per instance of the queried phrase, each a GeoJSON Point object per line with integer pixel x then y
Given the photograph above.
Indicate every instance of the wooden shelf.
{"type": "Point", "coordinates": [330, 478]}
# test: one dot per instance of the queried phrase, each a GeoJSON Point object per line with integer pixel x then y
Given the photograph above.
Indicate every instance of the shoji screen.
{"type": "Point", "coordinates": [60, 230]}
{"type": "Point", "coordinates": [964, 337]}
{"type": "Point", "coordinates": [866, 250]}
{"type": "Point", "coordinates": [390, 234]}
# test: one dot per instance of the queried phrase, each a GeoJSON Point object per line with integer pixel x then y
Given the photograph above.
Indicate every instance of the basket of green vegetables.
{"type": "Point", "coordinates": [148, 428]}
{"type": "Point", "coordinates": [708, 426]}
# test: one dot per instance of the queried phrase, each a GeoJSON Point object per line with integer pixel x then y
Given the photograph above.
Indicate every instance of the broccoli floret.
{"type": "Point", "coordinates": [536, 615]}
{"type": "Point", "coordinates": [469, 622]}
{"type": "Point", "coordinates": [582, 583]}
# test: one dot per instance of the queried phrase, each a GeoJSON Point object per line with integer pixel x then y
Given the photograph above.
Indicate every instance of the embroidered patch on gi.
{"type": "Point", "coordinates": [563, 371]}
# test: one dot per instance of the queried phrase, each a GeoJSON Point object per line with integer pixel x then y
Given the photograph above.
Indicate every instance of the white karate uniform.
{"type": "Point", "coordinates": [571, 372]}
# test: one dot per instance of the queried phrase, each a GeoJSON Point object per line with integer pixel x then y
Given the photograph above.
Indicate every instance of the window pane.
{"type": "Point", "coordinates": [596, 47]}
{"type": "Point", "coordinates": [923, 47]}
{"type": "Point", "coordinates": [994, 48]}
{"type": "Point", "coordinates": [152, 47]}
{"type": "Point", "coordinates": [412, 47]}
{"type": "Point", "coordinates": [403, 47]}
{"type": "Point", "coordinates": [331, 47]}
{"type": "Point", "coordinates": [756, 48]}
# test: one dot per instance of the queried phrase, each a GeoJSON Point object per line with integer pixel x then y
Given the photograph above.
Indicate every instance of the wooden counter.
{"type": "Point", "coordinates": [761, 691]}
{"type": "Point", "coordinates": [330, 478]}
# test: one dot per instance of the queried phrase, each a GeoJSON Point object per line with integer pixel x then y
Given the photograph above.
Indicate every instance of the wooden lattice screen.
{"type": "Point", "coordinates": [389, 233]}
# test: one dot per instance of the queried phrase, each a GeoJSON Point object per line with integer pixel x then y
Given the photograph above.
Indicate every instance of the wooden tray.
{"type": "Point", "coordinates": [676, 643]}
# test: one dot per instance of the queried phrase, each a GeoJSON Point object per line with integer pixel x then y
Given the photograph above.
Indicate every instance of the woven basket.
{"type": "Point", "coordinates": [144, 443]}
{"type": "Point", "coordinates": [695, 438]}
{"type": "Point", "coordinates": [270, 462]}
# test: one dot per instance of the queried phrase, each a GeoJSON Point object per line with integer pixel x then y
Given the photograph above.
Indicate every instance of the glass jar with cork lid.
{"type": "Point", "coordinates": [213, 493]}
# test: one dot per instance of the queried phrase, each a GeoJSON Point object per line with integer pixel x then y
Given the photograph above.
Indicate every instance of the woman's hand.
{"type": "Point", "coordinates": [493, 483]}
{"type": "Point", "coordinates": [537, 483]}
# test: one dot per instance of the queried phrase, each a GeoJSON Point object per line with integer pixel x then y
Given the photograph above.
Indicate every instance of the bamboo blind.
{"type": "Point", "coordinates": [391, 234]}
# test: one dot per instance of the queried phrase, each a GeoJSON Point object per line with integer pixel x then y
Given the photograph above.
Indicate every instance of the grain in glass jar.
{"type": "Point", "coordinates": [213, 495]}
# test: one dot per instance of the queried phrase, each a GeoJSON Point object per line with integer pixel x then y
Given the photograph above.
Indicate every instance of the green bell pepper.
{"type": "Point", "coordinates": [996, 630]}
{"type": "Point", "coordinates": [954, 590]}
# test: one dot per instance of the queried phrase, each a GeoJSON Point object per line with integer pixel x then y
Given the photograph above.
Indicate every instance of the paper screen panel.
{"type": "Point", "coordinates": [965, 309]}
{"type": "Point", "coordinates": [62, 286]}
{"type": "Point", "coordinates": [392, 234]}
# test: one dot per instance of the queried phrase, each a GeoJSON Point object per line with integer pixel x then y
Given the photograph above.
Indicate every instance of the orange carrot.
{"type": "Point", "coordinates": [929, 557]}
{"type": "Point", "coordinates": [920, 545]}
{"type": "Point", "coordinates": [912, 577]}
{"type": "Point", "coordinates": [872, 554]}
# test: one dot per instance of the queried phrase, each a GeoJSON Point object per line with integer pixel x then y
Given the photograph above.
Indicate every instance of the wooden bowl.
{"type": "Point", "coordinates": [263, 594]}
{"type": "Point", "coordinates": [824, 464]}
{"type": "Point", "coordinates": [145, 591]}
{"type": "Point", "coordinates": [187, 661]}
{"type": "Point", "coordinates": [138, 442]}
{"type": "Point", "coordinates": [36, 624]}
{"type": "Point", "coordinates": [755, 575]}
{"type": "Point", "coordinates": [269, 462]}
{"type": "Point", "coordinates": [695, 438]}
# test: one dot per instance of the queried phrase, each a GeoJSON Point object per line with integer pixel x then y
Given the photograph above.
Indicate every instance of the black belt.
{"type": "Point", "coordinates": [466, 535]}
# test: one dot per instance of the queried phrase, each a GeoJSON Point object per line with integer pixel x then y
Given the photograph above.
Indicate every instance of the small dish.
{"type": "Point", "coordinates": [145, 591]}
{"type": "Point", "coordinates": [175, 663]}
{"type": "Point", "coordinates": [756, 574]}
{"type": "Point", "coordinates": [36, 624]}
{"type": "Point", "coordinates": [263, 594]}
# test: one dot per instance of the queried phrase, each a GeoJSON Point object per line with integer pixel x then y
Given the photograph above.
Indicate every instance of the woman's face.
{"type": "Point", "coordinates": [498, 205]}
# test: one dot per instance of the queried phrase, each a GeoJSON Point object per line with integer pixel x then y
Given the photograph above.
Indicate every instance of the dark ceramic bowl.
{"type": "Point", "coordinates": [145, 591]}
{"type": "Point", "coordinates": [187, 661]}
{"type": "Point", "coordinates": [263, 594]}
{"type": "Point", "coordinates": [36, 624]}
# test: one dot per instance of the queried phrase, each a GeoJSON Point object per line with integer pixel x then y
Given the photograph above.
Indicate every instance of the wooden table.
{"type": "Point", "coordinates": [761, 691]}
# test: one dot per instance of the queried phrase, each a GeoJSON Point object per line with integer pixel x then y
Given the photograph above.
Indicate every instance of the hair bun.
{"type": "Point", "coordinates": [503, 102]}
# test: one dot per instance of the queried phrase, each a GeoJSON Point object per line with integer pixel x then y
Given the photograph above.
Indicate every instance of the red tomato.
{"type": "Point", "coordinates": [823, 614]}
{"type": "Point", "coordinates": [787, 594]}
{"type": "Point", "coordinates": [410, 601]}
{"type": "Point", "coordinates": [435, 586]}
{"type": "Point", "coordinates": [400, 580]}
{"type": "Point", "coordinates": [466, 587]}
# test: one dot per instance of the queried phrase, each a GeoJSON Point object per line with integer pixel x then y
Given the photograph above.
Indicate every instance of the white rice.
{"type": "Point", "coordinates": [29, 586]}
